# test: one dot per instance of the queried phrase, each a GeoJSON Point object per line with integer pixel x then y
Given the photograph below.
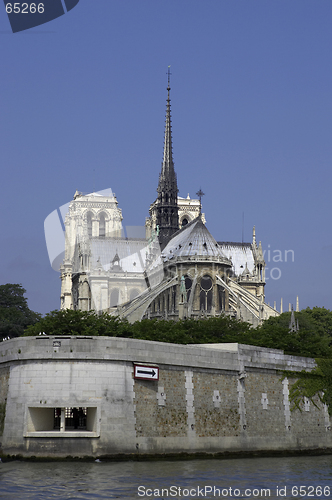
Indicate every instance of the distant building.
{"type": "Point", "coordinates": [175, 270]}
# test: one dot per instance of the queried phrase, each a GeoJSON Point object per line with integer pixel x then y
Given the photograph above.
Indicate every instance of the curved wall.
{"type": "Point", "coordinates": [216, 398]}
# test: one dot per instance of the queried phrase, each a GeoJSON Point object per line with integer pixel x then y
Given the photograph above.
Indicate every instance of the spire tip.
{"type": "Point", "coordinates": [169, 78]}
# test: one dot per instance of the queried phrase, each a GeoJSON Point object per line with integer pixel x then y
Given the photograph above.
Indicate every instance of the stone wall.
{"type": "Point", "coordinates": [160, 407]}
{"type": "Point", "coordinates": [215, 398]}
{"type": "Point", "coordinates": [264, 404]}
{"type": "Point", "coordinates": [216, 404]}
{"type": "Point", "coordinates": [4, 379]}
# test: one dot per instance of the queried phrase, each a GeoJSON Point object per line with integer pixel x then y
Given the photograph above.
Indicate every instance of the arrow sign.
{"type": "Point", "coordinates": [144, 372]}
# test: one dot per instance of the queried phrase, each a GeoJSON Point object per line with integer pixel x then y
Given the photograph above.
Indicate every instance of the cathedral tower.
{"type": "Point", "coordinates": [167, 217]}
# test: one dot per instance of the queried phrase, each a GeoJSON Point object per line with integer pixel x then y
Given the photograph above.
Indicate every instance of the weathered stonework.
{"type": "Point", "coordinates": [263, 421]}
{"type": "Point", "coordinates": [172, 418]}
{"type": "Point", "coordinates": [218, 398]}
{"type": "Point", "coordinates": [210, 420]}
{"type": "Point", "coordinates": [167, 420]}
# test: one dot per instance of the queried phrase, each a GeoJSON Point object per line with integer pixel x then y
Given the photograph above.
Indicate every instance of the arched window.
{"type": "Point", "coordinates": [205, 295]}
{"type": "Point", "coordinates": [184, 222]}
{"type": "Point", "coordinates": [102, 226]}
{"type": "Point", "coordinates": [89, 223]}
{"type": "Point", "coordinates": [260, 272]}
{"type": "Point", "coordinates": [188, 283]}
{"type": "Point", "coordinates": [114, 297]}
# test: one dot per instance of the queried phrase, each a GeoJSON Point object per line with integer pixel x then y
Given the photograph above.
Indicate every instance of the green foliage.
{"type": "Point", "coordinates": [191, 331]}
{"type": "Point", "coordinates": [15, 314]}
{"type": "Point", "coordinates": [319, 317]}
{"type": "Point", "coordinates": [69, 322]}
{"type": "Point", "coordinates": [311, 340]}
{"type": "Point", "coordinates": [309, 384]}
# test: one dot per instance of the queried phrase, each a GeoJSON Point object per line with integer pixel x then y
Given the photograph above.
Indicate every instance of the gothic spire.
{"type": "Point", "coordinates": [167, 178]}
{"type": "Point", "coordinates": [167, 206]}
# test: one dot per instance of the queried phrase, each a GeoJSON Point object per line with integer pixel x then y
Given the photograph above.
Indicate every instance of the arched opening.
{"type": "Point", "coordinates": [166, 216]}
{"type": "Point", "coordinates": [102, 226]}
{"type": "Point", "coordinates": [89, 223]}
{"type": "Point", "coordinates": [188, 284]}
{"type": "Point", "coordinates": [174, 298]}
{"type": "Point", "coordinates": [205, 296]}
{"type": "Point", "coordinates": [184, 222]}
{"type": "Point", "coordinates": [114, 297]}
{"type": "Point", "coordinates": [221, 298]}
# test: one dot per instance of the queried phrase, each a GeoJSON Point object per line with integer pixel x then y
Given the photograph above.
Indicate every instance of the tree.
{"type": "Point", "coordinates": [312, 339]}
{"type": "Point", "coordinates": [189, 331]}
{"type": "Point", "coordinates": [192, 331]}
{"type": "Point", "coordinates": [15, 314]}
{"type": "Point", "coordinates": [320, 317]}
{"type": "Point", "coordinates": [70, 322]}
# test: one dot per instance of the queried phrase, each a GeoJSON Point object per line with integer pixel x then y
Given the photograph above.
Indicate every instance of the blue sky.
{"type": "Point", "coordinates": [83, 102]}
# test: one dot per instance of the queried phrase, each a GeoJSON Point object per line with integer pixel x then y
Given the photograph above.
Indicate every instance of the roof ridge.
{"type": "Point", "coordinates": [234, 243]}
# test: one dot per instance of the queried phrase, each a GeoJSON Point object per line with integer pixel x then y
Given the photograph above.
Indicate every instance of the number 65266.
{"type": "Point", "coordinates": [24, 8]}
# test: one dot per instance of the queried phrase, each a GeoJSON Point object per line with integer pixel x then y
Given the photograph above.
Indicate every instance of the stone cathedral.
{"type": "Point", "coordinates": [172, 268]}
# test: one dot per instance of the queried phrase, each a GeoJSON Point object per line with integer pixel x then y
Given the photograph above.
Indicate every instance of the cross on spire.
{"type": "Point", "coordinates": [200, 194]}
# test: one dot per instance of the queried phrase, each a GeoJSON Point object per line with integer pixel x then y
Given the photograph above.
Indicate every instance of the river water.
{"type": "Point", "coordinates": [275, 478]}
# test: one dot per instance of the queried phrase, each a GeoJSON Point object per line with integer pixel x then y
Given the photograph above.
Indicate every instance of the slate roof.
{"type": "Point", "coordinates": [240, 253]}
{"type": "Point", "coordinates": [194, 240]}
{"type": "Point", "coordinates": [132, 253]}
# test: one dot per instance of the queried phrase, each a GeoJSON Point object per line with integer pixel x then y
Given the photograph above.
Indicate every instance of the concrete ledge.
{"type": "Point", "coordinates": [58, 434]}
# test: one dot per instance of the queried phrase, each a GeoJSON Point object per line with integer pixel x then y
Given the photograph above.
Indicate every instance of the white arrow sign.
{"type": "Point", "coordinates": [146, 372]}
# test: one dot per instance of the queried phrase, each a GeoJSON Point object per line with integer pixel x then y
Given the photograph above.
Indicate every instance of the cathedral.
{"type": "Point", "coordinates": [171, 268]}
